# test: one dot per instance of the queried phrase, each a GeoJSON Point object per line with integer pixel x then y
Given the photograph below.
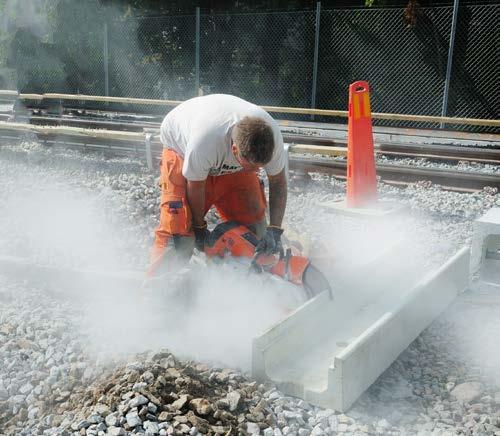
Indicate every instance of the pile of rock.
{"type": "Point", "coordinates": [158, 394]}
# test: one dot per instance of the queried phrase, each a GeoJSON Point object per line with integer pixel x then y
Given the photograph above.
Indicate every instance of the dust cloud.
{"type": "Point", "coordinates": [41, 46]}
{"type": "Point", "coordinates": [31, 15]}
{"type": "Point", "coordinates": [211, 313]}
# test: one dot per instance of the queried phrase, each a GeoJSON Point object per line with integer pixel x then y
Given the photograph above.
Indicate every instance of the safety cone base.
{"type": "Point", "coordinates": [376, 209]}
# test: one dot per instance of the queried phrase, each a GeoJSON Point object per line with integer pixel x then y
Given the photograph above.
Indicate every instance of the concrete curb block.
{"type": "Point", "coordinates": [388, 330]}
{"type": "Point", "coordinates": [485, 252]}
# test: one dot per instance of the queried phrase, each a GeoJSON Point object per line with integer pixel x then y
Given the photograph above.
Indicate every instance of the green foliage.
{"type": "Point", "coordinates": [53, 45]}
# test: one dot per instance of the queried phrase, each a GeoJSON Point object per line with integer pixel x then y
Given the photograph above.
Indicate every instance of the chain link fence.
{"type": "Point", "coordinates": [265, 58]}
{"type": "Point", "coordinates": [152, 57]}
{"type": "Point", "coordinates": [404, 66]}
{"type": "Point", "coordinates": [73, 64]}
{"type": "Point", "coordinates": [474, 91]}
{"type": "Point", "coordinates": [268, 58]}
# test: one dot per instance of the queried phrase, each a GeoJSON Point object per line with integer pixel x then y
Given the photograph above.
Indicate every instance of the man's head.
{"type": "Point", "coordinates": [252, 142]}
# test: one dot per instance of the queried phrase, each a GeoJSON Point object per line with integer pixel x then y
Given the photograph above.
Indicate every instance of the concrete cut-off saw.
{"type": "Point", "coordinates": [230, 241]}
{"type": "Point", "coordinates": [230, 261]}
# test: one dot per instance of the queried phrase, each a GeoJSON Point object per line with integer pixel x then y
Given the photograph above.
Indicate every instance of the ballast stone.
{"type": "Point", "coordinates": [116, 431]}
{"type": "Point", "coordinates": [138, 401]}
{"type": "Point", "coordinates": [467, 392]}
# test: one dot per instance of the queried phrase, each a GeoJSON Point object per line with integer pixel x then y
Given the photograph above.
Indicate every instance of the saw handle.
{"type": "Point", "coordinates": [261, 260]}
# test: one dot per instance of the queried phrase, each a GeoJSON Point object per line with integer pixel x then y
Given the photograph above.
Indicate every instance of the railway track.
{"type": "Point", "coordinates": [308, 149]}
{"type": "Point", "coordinates": [306, 143]}
{"type": "Point", "coordinates": [464, 181]}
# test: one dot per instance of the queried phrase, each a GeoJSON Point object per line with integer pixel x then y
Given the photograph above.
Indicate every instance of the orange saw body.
{"type": "Point", "coordinates": [236, 240]}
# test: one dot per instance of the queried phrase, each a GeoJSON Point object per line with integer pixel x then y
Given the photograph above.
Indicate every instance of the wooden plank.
{"type": "Point", "coordinates": [124, 100]}
{"type": "Point", "coordinates": [72, 131]}
{"type": "Point", "coordinates": [31, 96]}
{"type": "Point", "coordinates": [77, 132]}
{"type": "Point", "coordinates": [306, 111]}
{"type": "Point", "coordinates": [8, 93]}
{"type": "Point", "coordinates": [432, 119]}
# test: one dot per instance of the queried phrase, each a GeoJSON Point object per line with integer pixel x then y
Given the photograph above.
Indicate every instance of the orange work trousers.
{"type": "Point", "coordinates": [237, 197]}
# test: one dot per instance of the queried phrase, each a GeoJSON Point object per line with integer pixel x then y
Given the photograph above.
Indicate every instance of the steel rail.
{"type": "Point", "coordinates": [135, 121]}
{"type": "Point", "coordinates": [274, 109]}
{"type": "Point", "coordinates": [306, 143]}
{"type": "Point", "coordinates": [135, 118]}
{"type": "Point", "coordinates": [128, 121]}
{"type": "Point", "coordinates": [132, 143]}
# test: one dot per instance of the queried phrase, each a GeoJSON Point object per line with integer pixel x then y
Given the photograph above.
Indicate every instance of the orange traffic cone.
{"type": "Point", "coordinates": [361, 175]}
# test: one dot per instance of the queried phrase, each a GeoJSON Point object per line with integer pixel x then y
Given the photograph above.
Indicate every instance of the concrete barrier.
{"type": "Point", "coordinates": [330, 352]}
{"type": "Point", "coordinates": [485, 252]}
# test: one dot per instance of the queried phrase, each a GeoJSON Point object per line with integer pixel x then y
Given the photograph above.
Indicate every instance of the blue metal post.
{"type": "Point", "coordinates": [197, 56]}
{"type": "Point", "coordinates": [316, 54]}
{"type": "Point", "coordinates": [106, 60]}
{"type": "Point", "coordinates": [446, 92]}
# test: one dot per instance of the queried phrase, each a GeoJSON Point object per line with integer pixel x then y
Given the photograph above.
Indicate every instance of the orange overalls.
{"type": "Point", "coordinates": [237, 197]}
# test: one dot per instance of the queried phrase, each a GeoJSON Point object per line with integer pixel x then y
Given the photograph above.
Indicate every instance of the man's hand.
{"type": "Point", "coordinates": [270, 243]}
{"type": "Point", "coordinates": [201, 234]}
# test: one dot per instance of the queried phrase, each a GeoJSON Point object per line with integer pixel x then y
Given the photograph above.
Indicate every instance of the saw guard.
{"type": "Point", "coordinates": [291, 268]}
{"type": "Point", "coordinates": [315, 282]}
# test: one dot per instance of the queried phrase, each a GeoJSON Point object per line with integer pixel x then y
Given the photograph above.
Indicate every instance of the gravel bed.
{"type": "Point", "coordinates": [76, 198]}
{"type": "Point", "coordinates": [71, 209]}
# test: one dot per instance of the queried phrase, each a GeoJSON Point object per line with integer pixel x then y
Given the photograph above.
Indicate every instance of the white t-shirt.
{"type": "Point", "coordinates": [199, 130]}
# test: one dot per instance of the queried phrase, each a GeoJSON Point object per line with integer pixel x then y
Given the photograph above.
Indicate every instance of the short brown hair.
{"type": "Point", "coordinates": [254, 139]}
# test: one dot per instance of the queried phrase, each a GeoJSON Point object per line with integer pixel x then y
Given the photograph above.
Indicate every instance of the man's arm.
{"type": "Point", "coordinates": [195, 194]}
{"type": "Point", "coordinates": [277, 198]}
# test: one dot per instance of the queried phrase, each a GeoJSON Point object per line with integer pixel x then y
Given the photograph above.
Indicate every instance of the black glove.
{"type": "Point", "coordinates": [270, 243]}
{"type": "Point", "coordinates": [201, 234]}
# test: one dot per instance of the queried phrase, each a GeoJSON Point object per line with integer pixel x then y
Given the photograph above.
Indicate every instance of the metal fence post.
{"type": "Point", "coordinates": [444, 109]}
{"type": "Point", "coordinates": [316, 54]}
{"type": "Point", "coordinates": [149, 155]}
{"type": "Point", "coordinates": [106, 60]}
{"type": "Point", "coordinates": [197, 55]}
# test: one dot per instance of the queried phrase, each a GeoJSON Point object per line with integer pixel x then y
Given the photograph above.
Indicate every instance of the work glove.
{"type": "Point", "coordinates": [201, 234]}
{"type": "Point", "coordinates": [270, 243]}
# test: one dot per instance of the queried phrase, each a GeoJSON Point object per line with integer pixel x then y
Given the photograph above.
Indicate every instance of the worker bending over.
{"type": "Point", "coordinates": [213, 147]}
